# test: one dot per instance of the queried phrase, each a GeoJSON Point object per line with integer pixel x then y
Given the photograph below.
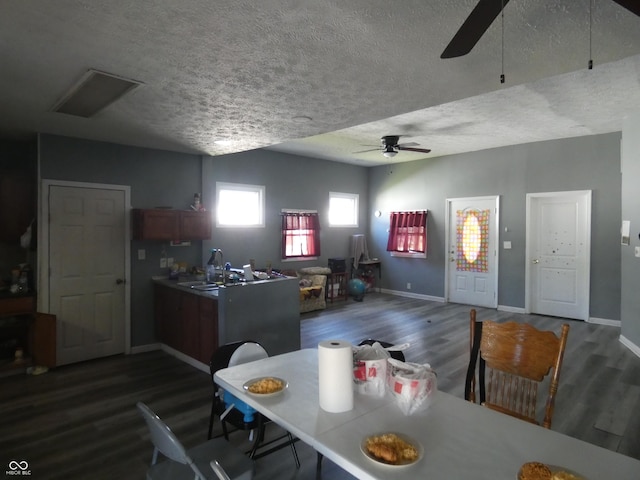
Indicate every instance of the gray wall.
{"type": "Point", "coordinates": [290, 182]}
{"type": "Point", "coordinates": [168, 178]}
{"type": "Point", "coordinates": [156, 178]}
{"type": "Point", "coordinates": [584, 163]}
{"type": "Point", "coordinates": [630, 302]}
{"type": "Point", "coordinates": [161, 178]}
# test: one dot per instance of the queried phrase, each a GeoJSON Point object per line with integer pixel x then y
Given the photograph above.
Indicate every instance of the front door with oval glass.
{"type": "Point", "coordinates": [472, 257]}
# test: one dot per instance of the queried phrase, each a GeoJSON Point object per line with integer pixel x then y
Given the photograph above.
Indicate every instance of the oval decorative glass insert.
{"type": "Point", "coordinates": [471, 237]}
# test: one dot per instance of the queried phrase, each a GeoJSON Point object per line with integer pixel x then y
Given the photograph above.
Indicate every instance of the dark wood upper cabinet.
{"type": "Point", "coordinates": [195, 225]}
{"type": "Point", "coordinates": [170, 225]}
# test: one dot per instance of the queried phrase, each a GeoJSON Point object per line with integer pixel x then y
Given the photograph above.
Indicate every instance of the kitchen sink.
{"type": "Point", "coordinates": [192, 283]}
{"type": "Point", "coordinates": [206, 286]}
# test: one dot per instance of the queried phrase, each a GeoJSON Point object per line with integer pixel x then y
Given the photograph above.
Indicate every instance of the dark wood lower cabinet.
{"type": "Point", "coordinates": [186, 322]}
{"type": "Point", "coordinates": [208, 328]}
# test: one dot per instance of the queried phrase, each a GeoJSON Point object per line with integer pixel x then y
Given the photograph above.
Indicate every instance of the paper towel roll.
{"type": "Point", "coordinates": [335, 375]}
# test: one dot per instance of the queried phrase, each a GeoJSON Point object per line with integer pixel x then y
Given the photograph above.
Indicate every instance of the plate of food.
{"type": "Point", "coordinates": [542, 471]}
{"type": "Point", "coordinates": [393, 449]}
{"type": "Point", "coordinates": [265, 386]}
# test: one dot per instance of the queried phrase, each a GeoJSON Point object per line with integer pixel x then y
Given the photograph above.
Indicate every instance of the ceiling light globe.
{"type": "Point", "coordinates": [389, 153]}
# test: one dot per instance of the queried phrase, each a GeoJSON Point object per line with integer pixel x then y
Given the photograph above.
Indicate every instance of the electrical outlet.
{"type": "Point", "coordinates": [408, 286]}
{"type": "Point", "coordinates": [142, 254]}
{"type": "Point", "coordinates": [163, 262]}
{"type": "Point", "coordinates": [169, 262]}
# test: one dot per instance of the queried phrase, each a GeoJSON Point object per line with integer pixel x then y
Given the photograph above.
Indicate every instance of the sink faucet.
{"type": "Point", "coordinates": [215, 266]}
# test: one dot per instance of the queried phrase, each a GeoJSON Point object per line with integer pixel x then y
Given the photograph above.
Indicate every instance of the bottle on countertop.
{"type": "Point", "coordinates": [215, 265]}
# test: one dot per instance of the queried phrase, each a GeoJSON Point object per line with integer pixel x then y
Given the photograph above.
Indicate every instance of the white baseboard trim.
{"type": "Point", "coordinates": [604, 321]}
{"type": "Point", "coordinates": [507, 308]}
{"type": "Point", "coordinates": [149, 347]}
{"type": "Point", "coordinates": [630, 345]}
{"type": "Point", "coordinates": [412, 295]}
{"type": "Point", "coordinates": [185, 358]}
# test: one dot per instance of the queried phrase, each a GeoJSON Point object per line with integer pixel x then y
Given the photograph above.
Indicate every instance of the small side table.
{"type": "Point", "coordinates": [339, 280]}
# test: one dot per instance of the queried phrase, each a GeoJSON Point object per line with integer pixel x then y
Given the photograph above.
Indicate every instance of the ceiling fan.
{"type": "Point", "coordinates": [390, 146]}
{"type": "Point", "coordinates": [481, 18]}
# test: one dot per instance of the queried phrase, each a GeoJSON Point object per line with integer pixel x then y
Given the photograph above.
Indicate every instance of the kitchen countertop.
{"type": "Point", "coordinates": [161, 280]}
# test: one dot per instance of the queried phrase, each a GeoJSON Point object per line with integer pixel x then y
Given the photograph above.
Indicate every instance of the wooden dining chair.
{"type": "Point", "coordinates": [512, 361]}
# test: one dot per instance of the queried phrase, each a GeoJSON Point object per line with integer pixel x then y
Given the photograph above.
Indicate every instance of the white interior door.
{"type": "Point", "coordinates": [472, 254]}
{"type": "Point", "coordinates": [558, 253]}
{"type": "Point", "coordinates": [87, 257]}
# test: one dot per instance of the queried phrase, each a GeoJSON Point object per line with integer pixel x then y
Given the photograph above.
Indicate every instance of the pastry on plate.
{"type": "Point", "coordinates": [534, 471]}
{"type": "Point", "coordinates": [564, 475]}
{"type": "Point", "coordinates": [390, 448]}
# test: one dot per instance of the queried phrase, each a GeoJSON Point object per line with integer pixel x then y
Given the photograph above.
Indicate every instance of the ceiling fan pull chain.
{"type": "Point", "coordinates": [502, 18]}
{"type": "Point", "coordinates": [590, 25]}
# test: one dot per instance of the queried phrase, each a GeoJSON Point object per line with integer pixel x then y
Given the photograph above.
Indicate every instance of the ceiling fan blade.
{"type": "Point", "coordinates": [478, 21]}
{"type": "Point", "coordinates": [408, 144]}
{"type": "Point", "coordinates": [377, 149]}
{"type": "Point", "coordinates": [411, 149]}
{"type": "Point", "coordinates": [631, 5]}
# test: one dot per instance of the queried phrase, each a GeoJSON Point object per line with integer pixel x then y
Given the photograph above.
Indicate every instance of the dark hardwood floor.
{"type": "Point", "coordinates": [80, 421]}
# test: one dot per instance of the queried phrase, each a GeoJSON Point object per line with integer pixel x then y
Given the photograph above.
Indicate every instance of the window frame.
{"type": "Point", "coordinates": [355, 197]}
{"type": "Point", "coordinates": [411, 254]}
{"type": "Point", "coordinates": [241, 187]}
{"type": "Point", "coordinates": [285, 258]}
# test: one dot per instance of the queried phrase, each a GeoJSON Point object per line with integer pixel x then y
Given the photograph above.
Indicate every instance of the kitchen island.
{"type": "Point", "coordinates": [193, 323]}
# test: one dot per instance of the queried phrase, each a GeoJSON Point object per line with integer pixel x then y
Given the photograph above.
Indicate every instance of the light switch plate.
{"type": "Point", "coordinates": [142, 254]}
{"type": "Point", "coordinates": [637, 252]}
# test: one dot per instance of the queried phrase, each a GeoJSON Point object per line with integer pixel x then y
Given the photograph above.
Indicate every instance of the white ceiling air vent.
{"type": "Point", "coordinates": [95, 91]}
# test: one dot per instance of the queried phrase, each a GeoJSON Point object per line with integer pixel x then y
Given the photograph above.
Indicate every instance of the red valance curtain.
{"type": "Point", "coordinates": [408, 232]}
{"type": "Point", "coordinates": [300, 234]}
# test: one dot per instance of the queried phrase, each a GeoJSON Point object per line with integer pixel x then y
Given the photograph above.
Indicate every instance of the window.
{"type": "Point", "coordinates": [343, 209]}
{"type": "Point", "coordinates": [239, 205]}
{"type": "Point", "coordinates": [408, 234]}
{"type": "Point", "coordinates": [300, 234]}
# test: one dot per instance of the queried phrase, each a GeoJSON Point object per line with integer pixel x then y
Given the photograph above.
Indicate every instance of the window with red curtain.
{"type": "Point", "coordinates": [300, 234]}
{"type": "Point", "coordinates": [408, 232]}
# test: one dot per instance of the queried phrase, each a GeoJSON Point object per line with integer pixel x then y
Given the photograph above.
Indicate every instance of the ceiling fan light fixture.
{"type": "Point", "coordinates": [389, 152]}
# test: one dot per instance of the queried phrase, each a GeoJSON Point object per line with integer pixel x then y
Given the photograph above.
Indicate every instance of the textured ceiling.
{"type": "Point", "coordinates": [319, 77]}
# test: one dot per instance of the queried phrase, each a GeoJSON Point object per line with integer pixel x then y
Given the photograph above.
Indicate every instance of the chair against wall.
{"type": "Point", "coordinates": [242, 417]}
{"type": "Point", "coordinates": [513, 360]}
{"type": "Point", "coordinates": [193, 463]}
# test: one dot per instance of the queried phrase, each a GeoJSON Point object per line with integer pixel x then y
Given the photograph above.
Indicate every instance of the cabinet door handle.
{"type": "Point", "coordinates": [120, 281]}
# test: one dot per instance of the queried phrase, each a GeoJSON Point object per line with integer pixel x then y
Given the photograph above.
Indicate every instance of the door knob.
{"type": "Point", "coordinates": [120, 281]}
{"type": "Point", "coordinates": [535, 261]}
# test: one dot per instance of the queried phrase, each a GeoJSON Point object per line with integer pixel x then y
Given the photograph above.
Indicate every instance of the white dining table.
{"type": "Point", "coordinates": [460, 440]}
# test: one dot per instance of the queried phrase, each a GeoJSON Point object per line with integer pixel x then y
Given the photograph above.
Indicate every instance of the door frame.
{"type": "Point", "coordinates": [495, 224]}
{"type": "Point", "coordinates": [528, 271]}
{"type": "Point", "coordinates": [43, 247]}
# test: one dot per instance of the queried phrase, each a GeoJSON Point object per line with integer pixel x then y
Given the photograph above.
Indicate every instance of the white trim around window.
{"type": "Point", "coordinates": [237, 201]}
{"type": "Point", "coordinates": [343, 209]}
